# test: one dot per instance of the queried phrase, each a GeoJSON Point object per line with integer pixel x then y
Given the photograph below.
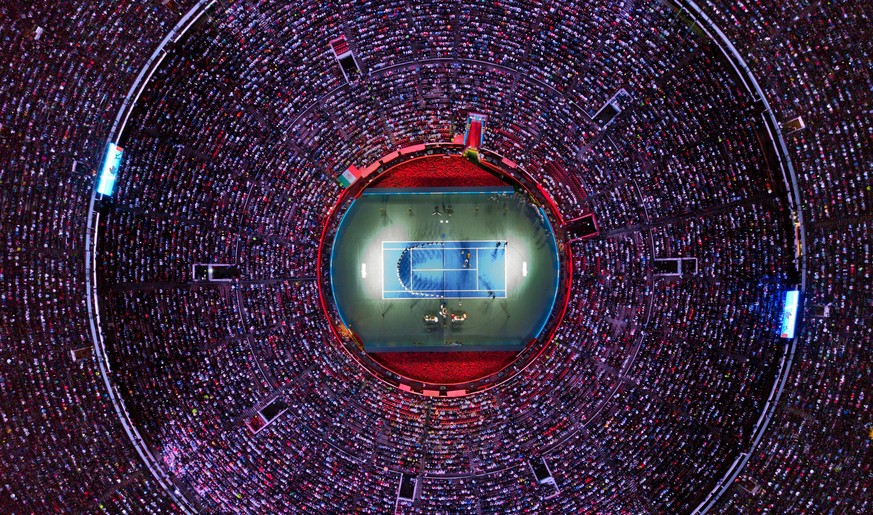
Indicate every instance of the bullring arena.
{"type": "Point", "coordinates": [400, 257]}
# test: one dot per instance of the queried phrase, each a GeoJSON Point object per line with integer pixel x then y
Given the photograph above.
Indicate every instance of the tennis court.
{"type": "Point", "coordinates": [444, 269]}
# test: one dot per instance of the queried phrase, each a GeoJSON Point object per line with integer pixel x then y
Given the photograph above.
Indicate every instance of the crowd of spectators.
{"type": "Point", "coordinates": [66, 67]}
{"type": "Point", "coordinates": [809, 59]}
{"type": "Point", "coordinates": [821, 435]}
{"type": "Point", "coordinates": [652, 385]}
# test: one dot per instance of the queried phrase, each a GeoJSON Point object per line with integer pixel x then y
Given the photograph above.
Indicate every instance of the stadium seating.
{"type": "Point", "coordinates": [651, 387]}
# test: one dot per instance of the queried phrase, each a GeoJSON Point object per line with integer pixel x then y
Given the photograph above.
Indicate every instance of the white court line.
{"type": "Point", "coordinates": [363, 270]}
{"type": "Point", "coordinates": [446, 270]}
{"type": "Point", "coordinates": [431, 291]}
{"type": "Point", "coordinates": [413, 249]}
{"type": "Point", "coordinates": [524, 268]}
{"type": "Point", "coordinates": [433, 241]}
{"type": "Point", "coordinates": [455, 245]}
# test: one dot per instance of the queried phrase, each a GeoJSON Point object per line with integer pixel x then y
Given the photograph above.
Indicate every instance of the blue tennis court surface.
{"type": "Point", "coordinates": [454, 269]}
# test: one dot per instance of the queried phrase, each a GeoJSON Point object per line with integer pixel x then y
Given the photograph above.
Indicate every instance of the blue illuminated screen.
{"type": "Point", "coordinates": [109, 173]}
{"type": "Point", "coordinates": [789, 313]}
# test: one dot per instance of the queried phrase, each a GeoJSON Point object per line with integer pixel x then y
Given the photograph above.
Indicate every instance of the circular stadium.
{"type": "Point", "coordinates": [449, 250]}
{"type": "Point", "coordinates": [429, 257]}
